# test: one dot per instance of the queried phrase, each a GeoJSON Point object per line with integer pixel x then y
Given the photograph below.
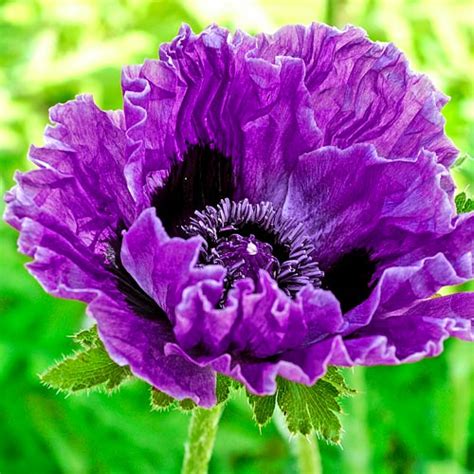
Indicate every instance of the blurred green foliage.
{"type": "Point", "coordinates": [411, 419]}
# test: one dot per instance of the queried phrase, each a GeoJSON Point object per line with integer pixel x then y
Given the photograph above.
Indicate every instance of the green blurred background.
{"type": "Point", "coordinates": [411, 419]}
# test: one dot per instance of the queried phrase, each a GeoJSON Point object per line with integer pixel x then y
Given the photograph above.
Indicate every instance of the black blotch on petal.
{"type": "Point", "coordinates": [137, 300]}
{"type": "Point", "coordinates": [349, 278]}
{"type": "Point", "coordinates": [202, 178]}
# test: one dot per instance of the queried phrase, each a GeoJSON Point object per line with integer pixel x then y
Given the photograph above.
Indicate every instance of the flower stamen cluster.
{"type": "Point", "coordinates": [245, 237]}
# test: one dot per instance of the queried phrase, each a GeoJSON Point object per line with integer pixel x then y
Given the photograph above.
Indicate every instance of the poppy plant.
{"type": "Point", "coordinates": [263, 206]}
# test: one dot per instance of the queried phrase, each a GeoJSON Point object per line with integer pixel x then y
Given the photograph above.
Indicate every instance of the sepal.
{"type": "Point", "coordinates": [90, 368]}
{"type": "Point", "coordinates": [463, 203]}
{"type": "Point", "coordinates": [161, 401]}
{"type": "Point", "coordinates": [306, 408]}
{"type": "Point", "coordinates": [262, 408]}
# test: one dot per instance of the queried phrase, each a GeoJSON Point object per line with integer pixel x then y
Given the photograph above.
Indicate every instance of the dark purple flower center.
{"type": "Point", "coordinates": [202, 178]}
{"type": "Point", "coordinates": [141, 303]}
{"type": "Point", "coordinates": [349, 278]}
{"type": "Point", "coordinates": [199, 198]}
{"type": "Point", "coordinates": [246, 237]}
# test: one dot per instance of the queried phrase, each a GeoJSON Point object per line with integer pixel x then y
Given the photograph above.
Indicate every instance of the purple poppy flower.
{"type": "Point", "coordinates": [262, 206]}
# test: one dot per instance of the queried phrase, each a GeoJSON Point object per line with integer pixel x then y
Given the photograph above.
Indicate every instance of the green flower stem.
{"type": "Point", "coordinates": [307, 451]}
{"type": "Point", "coordinates": [201, 435]}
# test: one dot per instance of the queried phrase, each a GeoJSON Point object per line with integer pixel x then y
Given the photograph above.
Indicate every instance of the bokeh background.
{"type": "Point", "coordinates": [410, 419]}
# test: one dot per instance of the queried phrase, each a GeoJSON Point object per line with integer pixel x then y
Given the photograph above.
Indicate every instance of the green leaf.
{"type": "Point", "coordinates": [87, 338]}
{"type": "Point", "coordinates": [262, 407]}
{"type": "Point", "coordinates": [463, 203]}
{"type": "Point", "coordinates": [160, 401]}
{"type": "Point", "coordinates": [186, 405]}
{"type": "Point", "coordinates": [335, 378]}
{"type": "Point", "coordinates": [91, 368]}
{"type": "Point", "coordinates": [306, 408]}
{"type": "Point", "coordinates": [224, 386]}
{"type": "Point", "coordinates": [314, 408]}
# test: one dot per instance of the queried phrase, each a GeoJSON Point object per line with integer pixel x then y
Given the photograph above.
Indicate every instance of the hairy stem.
{"type": "Point", "coordinates": [201, 435]}
{"type": "Point", "coordinates": [307, 451]}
